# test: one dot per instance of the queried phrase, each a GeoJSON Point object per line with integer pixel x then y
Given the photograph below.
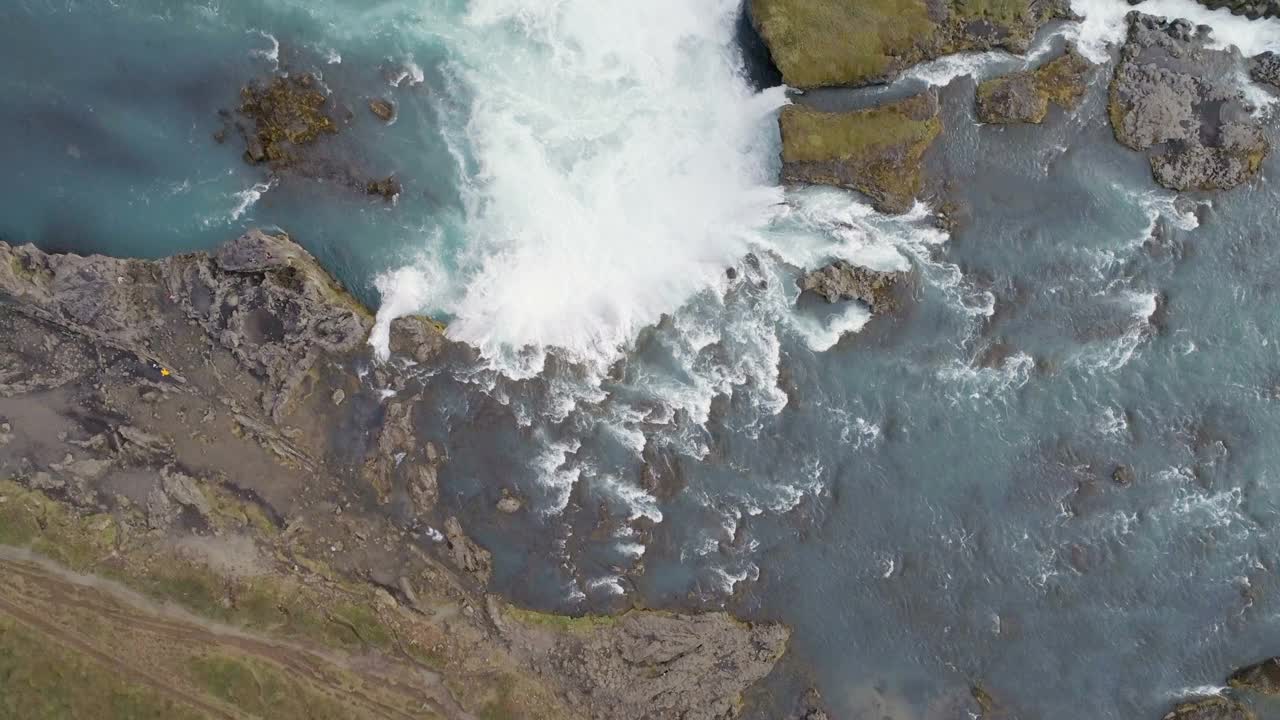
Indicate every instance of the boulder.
{"type": "Point", "coordinates": [841, 281]}
{"type": "Point", "coordinates": [1025, 97]}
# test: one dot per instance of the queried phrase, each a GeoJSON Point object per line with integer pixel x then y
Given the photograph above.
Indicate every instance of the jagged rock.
{"type": "Point", "coordinates": [1179, 100]}
{"type": "Point", "coordinates": [842, 281]}
{"type": "Point", "coordinates": [269, 302]}
{"type": "Point", "coordinates": [1026, 96]}
{"type": "Point", "coordinates": [384, 109]}
{"type": "Point", "coordinates": [416, 336]}
{"type": "Point", "coordinates": [185, 491]}
{"type": "Point", "coordinates": [1265, 68]}
{"type": "Point", "coordinates": [338, 396]}
{"type": "Point", "coordinates": [396, 441]}
{"type": "Point", "coordinates": [1252, 9]}
{"type": "Point", "coordinates": [387, 188]}
{"type": "Point", "coordinates": [1262, 677]}
{"type": "Point", "coordinates": [674, 666]}
{"type": "Point", "coordinates": [466, 554]}
{"type": "Point", "coordinates": [1213, 708]}
{"type": "Point", "coordinates": [878, 152]}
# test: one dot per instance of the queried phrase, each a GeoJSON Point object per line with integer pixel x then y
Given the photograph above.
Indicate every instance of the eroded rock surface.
{"type": "Point", "coordinates": [1181, 102]}
{"type": "Point", "coordinates": [675, 666]}
{"type": "Point", "coordinates": [843, 281]}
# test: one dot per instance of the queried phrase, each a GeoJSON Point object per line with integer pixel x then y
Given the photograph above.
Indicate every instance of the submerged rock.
{"type": "Point", "coordinates": [1213, 708]}
{"type": "Point", "coordinates": [1025, 97]}
{"type": "Point", "coordinates": [1179, 100]}
{"type": "Point", "coordinates": [388, 188]}
{"type": "Point", "coordinates": [384, 109]}
{"type": "Point", "coordinates": [878, 152]}
{"type": "Point", "coordinates": [843, 281]}
{"type": "Point", "coordinates": [287, 113]}
{"type": "Point", "coordinates": [840, 42]}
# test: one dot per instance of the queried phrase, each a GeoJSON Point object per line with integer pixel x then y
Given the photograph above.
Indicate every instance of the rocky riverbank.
{"type": "Point", "coordinates": [212, 500]}
{"type": "Point", "coordinates": [1173, 96]}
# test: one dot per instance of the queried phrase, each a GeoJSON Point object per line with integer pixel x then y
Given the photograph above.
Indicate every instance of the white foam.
{"type": "Point", "coordinates": [410, 72]}
{"type": "Point", "coordinates": [273, 54]}
{"type": "Point", "coordinates": [246, 199]}
{"type": "Point", "coordinates": [624, 163]}
{"type": "Point", "coordinates": [1104, 25]}
{"type": "Point", "coordinates": [822, 335]}
{"type": "Point", "coordinates": [978, 65]}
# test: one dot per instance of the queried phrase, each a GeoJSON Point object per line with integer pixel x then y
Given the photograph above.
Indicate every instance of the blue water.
{"type": "Point", "coordinates": [928, 501]}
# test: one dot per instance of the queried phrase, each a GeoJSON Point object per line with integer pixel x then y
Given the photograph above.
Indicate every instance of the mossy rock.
{"type": "Point", "coordinates": [818, 43]}
{"type": "Point", "coordinates": [878, 152]}
{"type": "Point", "coordinates": [1025, 97]}
{"type": "Point", "coordinates": [287, 113]}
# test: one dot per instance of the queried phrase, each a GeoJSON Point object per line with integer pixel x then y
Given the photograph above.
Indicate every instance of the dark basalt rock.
{"type": "Point", "coordinates": [1265, 68]}
{"type": "Point", "coordinates": [1123, 475]}
{"type": "Point", "coordinates": [1181, 102]}
{"type": "Point", "coordinates": [842, 281]}
{"type": "Point", "coordinates": [388, 188]}
{"type": "Point", "coordinates": [1252, 9]}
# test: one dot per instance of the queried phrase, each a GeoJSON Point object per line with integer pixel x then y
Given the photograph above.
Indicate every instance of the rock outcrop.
{"type": "Point", "coordinates": [663, 663]}
{"type": "Point", "coordinates": [878, 152]}
{"type": "Point", "coordinates": [1252, 9]}
{"type": "Point", "coordinates": [1213, 708]}
{"type": "Point", "coordinates": [1265, 68]}
{"type": "Point", "coordinates": [843, 281]}
{"type": "Point", "coordinates": [1180, 101]}
{"type": "Point", "coordinates": [210, 430]}
{"type": "Point", "coordinates": [287, 113]}
{"type": "Point", "coordinates": [837, 42]}
{"type": "Point", "coordinates": [1025, 97]}
{"type": "Point", "coordinates": [1262, 677]}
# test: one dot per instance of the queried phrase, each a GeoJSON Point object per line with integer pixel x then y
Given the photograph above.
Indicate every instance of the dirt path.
{"type": "Point", "coordinates": [154, 646]}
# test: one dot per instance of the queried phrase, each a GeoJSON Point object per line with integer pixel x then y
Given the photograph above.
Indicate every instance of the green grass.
{"type": "Point", "coordinates": [41, 680]}
{"type": "Point", "coordinates": [842, 42]}
{"type": "Point", "coordinates": [260, 690]}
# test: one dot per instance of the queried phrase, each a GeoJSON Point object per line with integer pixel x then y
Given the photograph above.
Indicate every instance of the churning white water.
{"type": "Point", "coordinates": [1104, 25]}
{"type": "Point", "coordinates": [622, 163]}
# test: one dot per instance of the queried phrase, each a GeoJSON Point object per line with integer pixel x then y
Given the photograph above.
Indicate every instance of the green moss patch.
{"type": "Point", "coordinates": [878, 152]}
{"type": "Point", "coordinates": [1026, 96]}
{"type": "Point", "coordinates": [818, 43]}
